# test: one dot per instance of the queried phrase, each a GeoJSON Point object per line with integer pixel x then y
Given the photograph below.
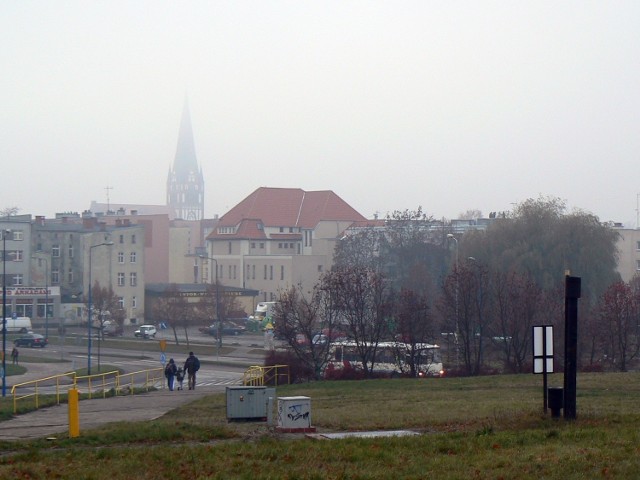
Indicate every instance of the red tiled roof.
{"type": "Point", "coordinates": [291, 207]}
{"type": "Point", "coordinates": [249, 228]}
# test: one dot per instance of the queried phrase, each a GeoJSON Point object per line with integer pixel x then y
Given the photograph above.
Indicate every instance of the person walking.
{"type": "Point", "coordinates": [14, 355]}
{"type": "Point", "coordinates": [191, 366]}
{"type": "Point", "coordinates": [170, 372]}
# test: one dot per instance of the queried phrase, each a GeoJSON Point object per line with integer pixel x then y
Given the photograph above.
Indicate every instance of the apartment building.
{"type": "Point", "coordinates": [83, 250]}
{"type": "Point", "coordinates": [278, 237]}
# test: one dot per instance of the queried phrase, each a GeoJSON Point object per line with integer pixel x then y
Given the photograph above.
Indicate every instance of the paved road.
{"type": "Point", "coordinates": [54, 421]}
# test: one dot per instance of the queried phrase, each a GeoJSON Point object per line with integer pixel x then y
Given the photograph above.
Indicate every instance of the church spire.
{"type": "Point", "coordinates": [185, 183]}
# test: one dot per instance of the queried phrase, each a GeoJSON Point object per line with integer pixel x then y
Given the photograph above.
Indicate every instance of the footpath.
{"type": "Point", "coordinates": [53, 422]}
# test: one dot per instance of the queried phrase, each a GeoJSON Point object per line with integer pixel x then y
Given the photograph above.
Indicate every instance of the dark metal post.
{"type": "Point", "coordinates": [572, 294]}
{"type": "Point", "coordinates": [4, 311]}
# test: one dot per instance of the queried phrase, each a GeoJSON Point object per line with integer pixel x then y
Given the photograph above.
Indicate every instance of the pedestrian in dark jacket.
{"type": "Point", "coordinates": [191, 366]}
{"type": "Point", "coordinates": [170, 372]}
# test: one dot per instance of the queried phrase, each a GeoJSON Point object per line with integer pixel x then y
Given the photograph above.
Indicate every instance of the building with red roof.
{"type": "Point", "coordinates": [279, 237]}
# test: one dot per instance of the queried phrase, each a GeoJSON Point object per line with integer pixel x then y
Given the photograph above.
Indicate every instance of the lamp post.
{"type": "Point", "coordinates": [90, 321]}
{"type": "Point", "coordinates": [4, 310]}
{"type": "Point", "coordinates": [218, 324]}
{"type": "Point", "coordinates": [46, 296]}
{"type": "Point", "coordinates": [451, 236]}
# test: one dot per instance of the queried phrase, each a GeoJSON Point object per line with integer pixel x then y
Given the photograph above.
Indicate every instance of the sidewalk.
{"type": "Point", "coordinates": [54, 421]}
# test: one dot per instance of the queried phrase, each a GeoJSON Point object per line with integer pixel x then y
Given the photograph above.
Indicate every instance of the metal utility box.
{"type": "Point", "coordinates": [294, 413]}
{"type": "Point", "coordinates": [248, 403]}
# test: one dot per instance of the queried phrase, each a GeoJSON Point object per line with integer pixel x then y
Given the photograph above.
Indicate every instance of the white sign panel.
{"type": "Point", "coordinates": [543, 349]}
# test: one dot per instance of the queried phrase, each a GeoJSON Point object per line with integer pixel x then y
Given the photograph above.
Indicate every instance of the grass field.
{"type": "Point", "coordinates": [486, 428]}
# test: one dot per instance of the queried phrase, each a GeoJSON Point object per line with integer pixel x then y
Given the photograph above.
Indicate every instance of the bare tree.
{"type": "Point", "coordinates": [465, 304]}
{"type": "Point", "coordinates": [414, 328]}
{"type": "Point", "coordinates": [306, 322]}
{"type": "Point", "coordinates": [516, 302]}
{"type": "Point", "coordinates": [619, 314]}
{"type": "Point", "coordinates": [173, 309]}
{"type": "Point", "coordinates": [363, 298]}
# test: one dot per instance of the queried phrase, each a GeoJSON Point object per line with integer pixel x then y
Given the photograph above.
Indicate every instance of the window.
{"type": "Point", "coordinates": [230, 271]}
{"type": "Point", "coordinates": [133, 279]}
{"type": "Point", "coordinates": [280, 245]}
{"type": "Point", "coordinates": [290, 229]}
{"type": "Point", "coordinates": [320, 268]}
{"type": "Point", "coordinates": [253, 244]}
{"type": "Point", "coordinates": [637, 264]}
{"type": "Point", "coordinates": [220, 270]}
{"type": "Point", "coordinates": [133, 239]}
{"type": "Point", "coordinates": [17, 279]}
{"type": "Point", "coordinates": [18, 235]}
{"type": "Point", "coordinates": [235, 272]}
{"type": "Point", "coordinates": [638, 245]}
{"type": "Point", "coordinates": [120, 257]}
{"type": "Point", "coordinates": [70, 275]}
{"type": "Point", "coordinates": [270, 272]}
{"type": "Point", "coordinates": [291, 245]}
{"type": "Point", "coordinates": [17, 255]}
{"type": "Point", "coordinates": [70, 251]}
{"type": "Point", "coordinates": [261, 244]}
{"type": "Point", "coordinates": [253, 272]}
{"type": "Point", "coordinates": [265, 272]}
{"type": "Point", "coordinates": [121, 238]}
{"type": "Point", "coordinates": [281, 229]}
{"type": "Point", "coordinates": [134, 302]}
{"type": "Point", "coordinates": [132, 257]}
{"type": "Point", "coordinates": [121, 302]}
{"type": "Point", "coordinates": [229, 247]}
{"type": "Point", "coordinates": [55, 250]}
{"type": "Point", "coordinates": [120, 279]}
{"type": "Point", "coordinates": [281, 272]}
{"type": "Point", "coordinates": [55, 276]}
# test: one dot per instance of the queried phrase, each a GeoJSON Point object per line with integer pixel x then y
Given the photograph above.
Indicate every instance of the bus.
{"type": "Point", "coordinates": [391, 358]}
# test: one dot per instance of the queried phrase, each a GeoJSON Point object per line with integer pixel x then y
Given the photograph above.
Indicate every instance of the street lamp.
{"type": "Point", "coordinates": [451, 236]}
{"type": "Point", "coordinates": [90, 321]}
{"type": "Point", "coordinates": [46, 296]}
{"type": "Point", "coordinates": [4, 310]}
{"type": "Point", "coordinates": [218, 324]}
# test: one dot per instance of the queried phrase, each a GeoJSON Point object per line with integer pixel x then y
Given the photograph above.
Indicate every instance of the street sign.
{"type": "Point", "coordinates": [163, 345]}
{"type": "Point", "coordinates": [163, 358]}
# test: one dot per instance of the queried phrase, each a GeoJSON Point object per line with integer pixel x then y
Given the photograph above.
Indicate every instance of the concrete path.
{"type": "Point", "coordinates": [54, 421]}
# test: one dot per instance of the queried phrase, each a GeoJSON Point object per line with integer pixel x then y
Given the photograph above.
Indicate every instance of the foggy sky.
{"type": "Point", "coordinates": [448, 105]}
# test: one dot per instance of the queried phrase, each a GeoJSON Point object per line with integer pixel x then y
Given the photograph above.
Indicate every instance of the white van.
{"type": "Point", "coordinates": [18, 324]}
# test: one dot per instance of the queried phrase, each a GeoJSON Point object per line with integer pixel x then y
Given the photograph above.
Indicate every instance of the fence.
{"type": "Point", "coordinates": [88, 386]}
{"type": "Point", "coordinates": [272, 375]}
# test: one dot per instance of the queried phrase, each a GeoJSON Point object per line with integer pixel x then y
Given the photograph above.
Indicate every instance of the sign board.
{"type": "Point", "coordinates": [163, 358]}
{"type": "Point", "coordinates": [163, 345]}
{"type": "Point", "coordinates": [543, 349]}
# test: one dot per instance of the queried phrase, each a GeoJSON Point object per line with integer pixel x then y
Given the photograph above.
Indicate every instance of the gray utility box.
{"type": "Point", "coordinates": [248, 403]}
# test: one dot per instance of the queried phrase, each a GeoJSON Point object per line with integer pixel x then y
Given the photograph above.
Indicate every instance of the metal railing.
{"type": "Point", "coordinates": [42, 386]}
{"type": "Point", "coordinates": [257, 376]}
{"type": "Point", "coordinates": [101, 384]}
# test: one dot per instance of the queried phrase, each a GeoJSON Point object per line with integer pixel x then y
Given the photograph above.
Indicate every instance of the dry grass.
{"type": "Point", "coordinates": [488, 427]}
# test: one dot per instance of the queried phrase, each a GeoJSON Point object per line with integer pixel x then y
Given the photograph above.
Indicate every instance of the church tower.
{"type": "Point", "coordinates": [185, 183]}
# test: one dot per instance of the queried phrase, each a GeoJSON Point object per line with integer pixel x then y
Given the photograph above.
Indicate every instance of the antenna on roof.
{"type": "Point", "coordinates": [107, 188]}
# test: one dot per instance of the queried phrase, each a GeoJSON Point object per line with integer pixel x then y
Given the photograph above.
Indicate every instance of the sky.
{"type": "Point", "coordinates": [446, 105]}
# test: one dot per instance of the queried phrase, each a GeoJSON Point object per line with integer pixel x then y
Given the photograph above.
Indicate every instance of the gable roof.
{"type": "Point", "coordinates": [290, 207]}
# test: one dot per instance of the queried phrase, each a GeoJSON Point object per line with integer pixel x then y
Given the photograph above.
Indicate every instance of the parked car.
{"type": "Point", "coordinates": [112, 329]}
{"type": "Point", "coordinates": [146, 331]}
{"type": "Point", "coordinates": [31, 340]}
{"type": "Point", "coordinates": [228, 328]}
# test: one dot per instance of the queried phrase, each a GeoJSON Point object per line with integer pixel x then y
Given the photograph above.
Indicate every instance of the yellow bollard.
{"type": "Point", "coordinates": [74, 413]}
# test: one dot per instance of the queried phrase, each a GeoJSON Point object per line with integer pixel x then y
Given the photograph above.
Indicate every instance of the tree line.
{"type": "Point", "coordinates": [477, 294]}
